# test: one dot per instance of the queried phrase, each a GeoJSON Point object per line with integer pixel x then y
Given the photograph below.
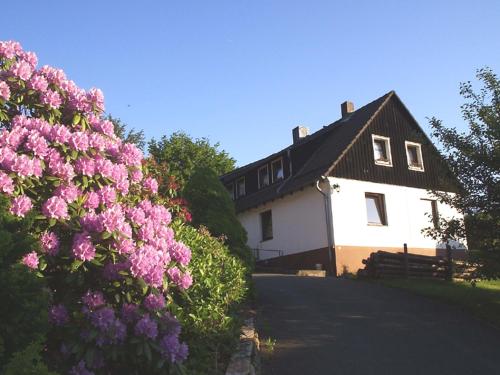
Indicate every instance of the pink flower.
{"type": "Point", "coordinates": [39, 83]}
{"type": "Point", "coordinates": [10, 49]}
{"type": "Point", "coordinates": [151, 185]}
{"type": "Point", "coordinates": [107, 195]}
{"type": "Point", "coordinates": [6, 183]}
{"type": "Point", "coordinates": [93, 299]}
{"type": "Point", "coordinates": [68, 192]}
{"type": "Point", "coordinates": [97, 141]}
{"type": "Point", "coordinates": [125, 246]}
{"type": "Point", "coordinates": [30, 58]}
{"type": "Point", "coordinates": [23, 166]}
{"type": "Point", "coordinates": [7, 157]}
{"type": "Point", "coordinates": [83, 248]}
{"type": "Point", "coordinates": [180, 253]}
{"type": "Point", "coordinates": [131, 155]}
{"type": "Point", "coordinates": [56, 76]}
{"type": "Point", "coordinates": [105, 127]}
{"type": "Point", "coordinates": [104, 167]}
{"type": "Point", "coordinates": [50, 243]}
{"type": "Point", "coordinates": [30, 260]}
{"type": "Point", "coordinates": [136, 175]}
{"type": "Point", "coordinates": [79, 141]}
{"type": "Point", "coordinates": [91, 200]}
{"type": "Point", "coordinates": [22, 69]}
{"type": "Point", "coordinates": [20, 205]}
{"type": "Point", "coordinates": [136, 215]}
{"type": "Point", "coordinates": [52, 99]}
{"type": "Point", "coordinates": [85, 166]}
{"type": "Point", "coordinates": [16, 136]}
{"type": "Point", "coordinates": [148, 263]}
{"type": "Point", "coordinates": [183, 281]}
{"type": "Point", "coordinates": [36, 143]}
{"type": "Point", "coordinates": [62, 170]}
{"type": "Point", "coordinates": [60, 134]}
{"type": "Point", "coordinates": [154, 302]}
{"type": "Point", "coordinates": [56, 208]}
{"type": "Point", "coordinates": [4, 90]}
{"type": "Point", "coordinates": [96, 98]}
{"type": "Point", "coordinates": [112, 219]}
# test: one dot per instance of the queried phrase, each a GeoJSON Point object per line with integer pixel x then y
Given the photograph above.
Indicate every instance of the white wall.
{"type": "Point", "coordinates": [298, 224]}
{"type": "Point", "coordinates": [405, 215]}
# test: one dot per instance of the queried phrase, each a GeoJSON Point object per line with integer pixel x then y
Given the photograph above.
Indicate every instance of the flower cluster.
{"type": "Point", "coordinates": [96, 207]}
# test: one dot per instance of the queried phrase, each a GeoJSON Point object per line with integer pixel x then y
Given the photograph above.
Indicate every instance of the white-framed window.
{"type": "Point", "coordinates": [266, 224]}
{"type": "Point", "coordinates": [414, 156]}
{"type": "Point", "coordinates": [240, 187]}
{"type": "Point", "coordinates": [382, 150]}
{"type": "Point", "coordinates": [277, 170]}
{"type": "Point", "coordinates": [376, 213]}
{"type": "Point", "coordinates": [230, 190]}
{"type": "Point", "coordinates": [263, 176]}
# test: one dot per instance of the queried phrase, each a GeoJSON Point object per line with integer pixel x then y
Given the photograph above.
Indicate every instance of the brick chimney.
{"type": "Point", "coordinates": [299, 132]}
{"type": "Point", "coordinates": [346, 108]}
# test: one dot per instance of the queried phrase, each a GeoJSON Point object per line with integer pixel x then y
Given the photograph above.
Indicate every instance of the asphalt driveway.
{"type": "Point", "coordinates": [338, 326]}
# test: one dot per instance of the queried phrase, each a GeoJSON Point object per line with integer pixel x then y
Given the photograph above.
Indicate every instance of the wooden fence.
{"type": "Point", "coordinates": [404, 265]}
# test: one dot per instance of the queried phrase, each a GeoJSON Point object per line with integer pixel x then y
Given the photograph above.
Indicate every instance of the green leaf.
{"type": "Point", "coordinates": [76, 264]}
{"type": "Point", "coordinates": [76, 118]}
{"type": "Point", "coordinates": [106, 235]}
{"type": "Point", "coordinates": [52, 222]}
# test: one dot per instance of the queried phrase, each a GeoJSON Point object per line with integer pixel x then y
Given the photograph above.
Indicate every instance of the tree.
{"type": "Point", "coordinates": [474, 158]}
{"type": "Point", "coordinates": [184, 154]}
{"type": "Point", "coordinates": [131, 136]}
{"type": "Point", "coordinates": [212, 207]}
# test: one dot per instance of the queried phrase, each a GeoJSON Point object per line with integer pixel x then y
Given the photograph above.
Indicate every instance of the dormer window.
{"type": "Point", "coordinates": [277, 170]}
{"type": "Point", "coordinates": [414, 156]}
{"type": "Point", "coordinates": [263, 176]}
{"type": "Point", "coordinates": [382, 150]}
{"type": "Point", "coordinates": [240, 187]}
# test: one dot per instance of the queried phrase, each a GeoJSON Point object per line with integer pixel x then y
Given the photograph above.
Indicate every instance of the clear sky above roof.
{"type": "Point", "coordinates": [244, 73]}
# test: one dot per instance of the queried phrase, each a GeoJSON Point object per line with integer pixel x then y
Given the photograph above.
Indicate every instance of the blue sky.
{"type": "Point", "coordinates": [244, 73]}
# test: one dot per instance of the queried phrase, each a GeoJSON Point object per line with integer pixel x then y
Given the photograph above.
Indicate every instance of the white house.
{"type": "Point", "coordinates": [356, 186]}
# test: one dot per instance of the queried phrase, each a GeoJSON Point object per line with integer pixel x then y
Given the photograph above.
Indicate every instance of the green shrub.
{"type": "Point", "coordinates": [208, 309]}
{"type": "Point", "coordinates": [211, 206]}
{"type": "Point", "coordinates": [24, 300]}
{"type": "Point", "coordinates": [28, 362]}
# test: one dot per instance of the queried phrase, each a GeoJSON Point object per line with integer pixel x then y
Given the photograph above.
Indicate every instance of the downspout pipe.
{"type": "Point", "coordinates": [327, 197]}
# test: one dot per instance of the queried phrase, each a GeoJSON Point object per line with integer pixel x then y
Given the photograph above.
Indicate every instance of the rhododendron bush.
{"type": "Point", "coordinates": [106, 245]}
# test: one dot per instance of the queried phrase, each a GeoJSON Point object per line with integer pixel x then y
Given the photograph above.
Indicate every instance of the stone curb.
{"type": "Point", "coordinates": [246, 360]}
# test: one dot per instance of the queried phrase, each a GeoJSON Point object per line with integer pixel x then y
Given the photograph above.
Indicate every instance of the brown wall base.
{"type": "Point", "coordinates": [297, 261]}
{"type": "Point", "coordinates": [349, 258]}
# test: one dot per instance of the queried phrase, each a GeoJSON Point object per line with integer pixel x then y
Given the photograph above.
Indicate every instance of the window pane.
{"type": "Point", "coordinates": [380, 150]}
{"type": "Point", "coordinates": [277, 168]}
{"type": "Point", "coordinates": [372, 211]}
{"type": "Point", "coordinates": [413, 155]}
{"type": "Point", "coordinates": [240, 187]}
{"type": "Point", "coordinates": [267, 225]}
{"type": "Point", "coordinates": [375, 209]}
{"type": "Point", "coordinates": [263, 177]}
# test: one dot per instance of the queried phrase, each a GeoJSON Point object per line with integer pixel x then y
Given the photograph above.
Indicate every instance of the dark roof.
{"type": "Point", "coordinates": [335, 140]}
